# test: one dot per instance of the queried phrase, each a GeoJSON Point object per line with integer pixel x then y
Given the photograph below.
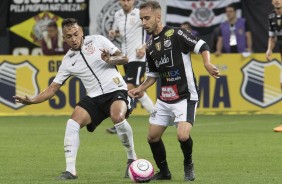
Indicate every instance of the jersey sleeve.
{"type": "Point", "coordinates": [151, 69]}
{"type": "Point", "coordinates": [271, 31]}
{"type": "Point", "coordinates": [63, 74]}
{"type": "Point", "coordinates": [108, 45]}
{"type": "Point", "coordinates": [188, 42]}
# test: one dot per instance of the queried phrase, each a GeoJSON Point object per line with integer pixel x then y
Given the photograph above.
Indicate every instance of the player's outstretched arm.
{"type": "Point", "coordinates": [116, 59]}
{"type": "Point", "coordinates": [146, 84]}
{"type": "Point", "coordinates": [43, 96]}
{"type": "Point", "coordinates": [213, 70]}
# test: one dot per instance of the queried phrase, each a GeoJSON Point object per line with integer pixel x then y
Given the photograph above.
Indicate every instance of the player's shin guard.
{"type": "Point", "coordinates": [71, 144]}
{"type": "Point", "coordinates": [147, 103]}
{"type": "Point", "coordinates": [187, 148]}
{"type": "Point", "coordinates": [159, 154]}
{"type": "Point", "coordinates": [125, 135]}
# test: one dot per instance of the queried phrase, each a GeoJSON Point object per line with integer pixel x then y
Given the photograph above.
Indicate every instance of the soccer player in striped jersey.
{"type": "Point", "coordinates": [275, 36]}
{"type": "Point", "coordinates": [168, 55]}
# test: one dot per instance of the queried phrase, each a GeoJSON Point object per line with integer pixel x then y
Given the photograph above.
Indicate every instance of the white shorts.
{"type": "Point", "coordinates": [171, 114]}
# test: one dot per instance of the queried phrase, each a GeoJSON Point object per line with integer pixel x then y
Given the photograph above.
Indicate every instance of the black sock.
{"type": "Point", "coordinates": [187, 147]}
{"type": "Point", "coordinates": [159, 154]}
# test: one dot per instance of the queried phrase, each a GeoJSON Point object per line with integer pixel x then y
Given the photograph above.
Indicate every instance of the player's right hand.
{"type": "Point", "coordinates": [217, 53]}
{"type": "Point", "coordinates": [24, 100]}
{"type": "Point", "coordinates": [112, 34]}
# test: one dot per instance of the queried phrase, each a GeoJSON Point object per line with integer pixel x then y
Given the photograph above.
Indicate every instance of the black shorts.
{"type": "Point", "coordinates": [134, 72]}
{"type": "Point", "coordinates": [99, 107]}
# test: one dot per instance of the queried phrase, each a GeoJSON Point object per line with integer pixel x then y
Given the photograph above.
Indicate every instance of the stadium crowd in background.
{"type": "Point", "coordinates": [187, 26]}
{"type": "Point", "coordinates": [52, 42]}
{"type": "Point", "coordinates": [127, 25]}
{"type": "Point", "coordinates": [234, 34]}
{"type": "Point", "coordinates": [178, 97]}
{"type": "Point", "coordinates": [92, 59]}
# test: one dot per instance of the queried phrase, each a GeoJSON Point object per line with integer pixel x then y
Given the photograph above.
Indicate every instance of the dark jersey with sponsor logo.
{"type": "Point", "coordinates": [168, 57]}
{"type": "Point", "coordinates": [275, 28]}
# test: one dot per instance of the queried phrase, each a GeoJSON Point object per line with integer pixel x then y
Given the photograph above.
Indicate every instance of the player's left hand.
{"type": "Point", "coordinates": [140, 53]}
{"type": "Point", "coordinates": [268, 54]}
{"type": "Point", "coordinates": [105, 55]}
{"type": "Point", "coordinates": [213, 70]}
{"type": "Point", "coordinates": [24, 100]}
{"type": "Point", "coordinates": [134, 93]}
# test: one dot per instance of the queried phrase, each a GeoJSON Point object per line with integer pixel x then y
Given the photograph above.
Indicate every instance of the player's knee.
{"type": "Point", "coordinates": [182, 137]}
{"type": "Point", "coordinates": [152, 139]}
{"type": "Point", "coordinates": [117, 118]}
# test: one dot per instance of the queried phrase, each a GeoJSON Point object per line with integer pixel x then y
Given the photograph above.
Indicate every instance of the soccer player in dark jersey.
{"type": "Point", "coordinates": [275, 36]}
{"type": "Point", "coordinates": [168, 58]}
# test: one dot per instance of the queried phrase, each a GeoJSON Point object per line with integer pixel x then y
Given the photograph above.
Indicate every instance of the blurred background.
{"type": "Point", "coordinates": [23, 21]}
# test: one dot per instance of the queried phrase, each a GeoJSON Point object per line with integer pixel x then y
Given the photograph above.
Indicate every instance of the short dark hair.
{"type": "Point", "coordinates": [232, 6]}
{"type": "Point", "coordinates": [186, 23]}
{"type": "Point", "coordinates": [69, 22]}
{"type": "Point", "coordinates": [154, 5]}
{"type": "Point", "coordinates": [52, 24]}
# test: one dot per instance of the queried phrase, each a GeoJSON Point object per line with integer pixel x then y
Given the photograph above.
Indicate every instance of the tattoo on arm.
{"type": "Point", "coordinates": [118, 59]}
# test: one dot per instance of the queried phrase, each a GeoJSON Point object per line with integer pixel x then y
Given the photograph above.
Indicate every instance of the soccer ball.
{"type": "Point", "coordinates": [141, 171]}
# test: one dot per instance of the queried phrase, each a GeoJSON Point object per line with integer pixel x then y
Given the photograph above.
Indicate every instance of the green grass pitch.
{"type": "Point", "coordinates": [228, 149]}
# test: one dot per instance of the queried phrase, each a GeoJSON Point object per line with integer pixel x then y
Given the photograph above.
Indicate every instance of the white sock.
{"type": "Point", "coordinates": [125, 135]}
{"type": "Point", "coordinates": [147, 103]}
{"type": "Point", "coordinates": [71, 144]}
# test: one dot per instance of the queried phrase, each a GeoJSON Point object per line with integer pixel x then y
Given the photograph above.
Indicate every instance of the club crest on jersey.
{"type": "Point", "coordinates": [17, 79]}
{"type": "Point", "coordinates": [169, 33]}
{"type": "Point", "coordinates": [89, 48]}
{"type": "Point", "coordinates": [116, 80]}
{"type": "Point", "coordinates": [167, 43]}
{"type": "Point", "coordinates": [261, 84]}
{"type": "Point", "coordinates": [158, 46]}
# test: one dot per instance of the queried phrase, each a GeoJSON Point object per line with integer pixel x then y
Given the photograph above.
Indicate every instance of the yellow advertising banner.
{"type": "Point", "coordinates": [246, 85]}
{"type": "Point", "coordinates": [29, 75]}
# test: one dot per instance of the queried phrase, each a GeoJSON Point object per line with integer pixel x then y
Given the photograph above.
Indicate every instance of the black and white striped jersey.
{"type": "Point", "coordinates": [275, 27]}
{"type": "Point", "coordinates": [168, 57]}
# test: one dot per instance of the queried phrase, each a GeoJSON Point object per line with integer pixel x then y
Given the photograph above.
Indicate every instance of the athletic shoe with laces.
{"type": "Point", "coordinates": [67, 176]}
{"type": "Point", "coordinates": [189, 174]}
{"type": "Point", "coordinates": [162, 176]}
{"type": "Point", "coordinates": [112, 130]}
{"type": "Point", "coordinates": [129, 161]}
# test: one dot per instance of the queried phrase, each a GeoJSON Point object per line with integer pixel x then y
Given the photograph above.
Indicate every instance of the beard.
{"type": "Point", "coordinates": [277, 7]}
{"type": "Point", "coordinates": [149, 32]}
